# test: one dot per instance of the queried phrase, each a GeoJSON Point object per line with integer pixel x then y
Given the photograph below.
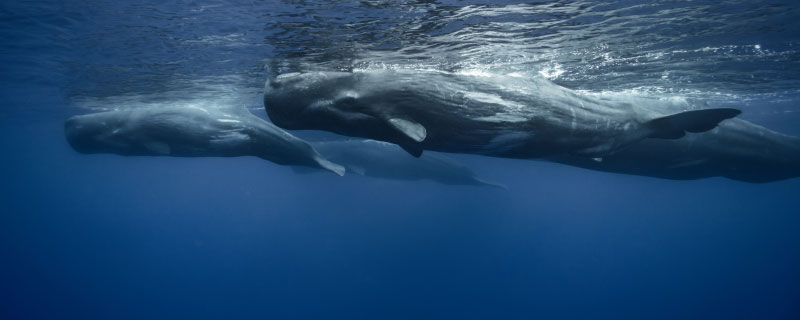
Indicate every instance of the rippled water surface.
{"type": "Point", "coordinates": [112, 237]}
{"type": "Point", "coordinates": [730, 49]}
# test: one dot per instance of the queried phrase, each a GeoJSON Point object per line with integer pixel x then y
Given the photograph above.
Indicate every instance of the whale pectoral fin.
{"type": "Point", "coordinates": [411, 129]}
{"type": "Point", "coordinates": [413, 149]}
{"type": "Point", "coordinates": [330, 166]}
{"type": "Point", "coordinates": [675, 126]}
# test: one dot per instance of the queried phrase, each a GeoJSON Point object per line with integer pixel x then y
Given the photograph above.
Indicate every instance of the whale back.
{"type": "Point", "coordinates": [736, 149]}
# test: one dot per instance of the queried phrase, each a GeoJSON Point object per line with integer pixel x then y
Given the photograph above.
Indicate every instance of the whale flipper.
{"type": "Point", "coordinates": [412, 149]}
{"type": "Point", "coordinates": [675, 126]}
{"type": "Point", "coordinates": [330, 166]}
{"type": "Point", "coordinates": [413, 130]}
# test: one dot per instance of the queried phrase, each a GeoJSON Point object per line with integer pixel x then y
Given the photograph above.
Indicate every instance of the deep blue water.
{"type": "Point", "coordinates": [113, 237]}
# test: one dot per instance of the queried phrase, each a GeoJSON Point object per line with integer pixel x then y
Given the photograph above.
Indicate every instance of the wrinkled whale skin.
{"type": "Point", "coordinates": [494, 115]}
{"type": "Point", "coordinates": [737, 149]}
{"type": "Point", "coordinates": [517, 117]}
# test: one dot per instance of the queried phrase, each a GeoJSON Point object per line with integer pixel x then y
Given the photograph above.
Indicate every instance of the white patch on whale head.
{"type": "Point", "coordinates": [348, 94]}
{"type": "Point", "coordinates": [320, 104]}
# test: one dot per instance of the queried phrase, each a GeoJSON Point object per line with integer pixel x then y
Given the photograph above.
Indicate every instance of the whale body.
{"type": "Point", "coordinates": [494, 115]}
{"type": "Point", "coordinates": [190, 131]}
{"type": "Point", "coordinates": [510, 116]}
{"type": "Point", "coordinates": [737, 150]}
{"type": "Point", "coordinates": [385, 160]}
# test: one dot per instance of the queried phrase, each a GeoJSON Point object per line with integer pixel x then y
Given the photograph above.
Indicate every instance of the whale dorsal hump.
{"type": "Point", "coordinates": [675, 126]}
{"type": "Point", "coordinates": [413, 130]}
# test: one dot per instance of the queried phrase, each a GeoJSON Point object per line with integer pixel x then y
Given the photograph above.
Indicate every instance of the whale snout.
{"type": "Point", "coordinates": [87, 133]}
{"type": "Point", "coordinates": [78, 134]}
{"type": "Point", "coordinates": [308, 93]}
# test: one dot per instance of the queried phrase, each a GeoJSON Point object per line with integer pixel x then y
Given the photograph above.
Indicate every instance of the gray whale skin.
{"type": "Point", "coordinates": [385, 160]}
{"type": "Point", "coordinates": [737, 149]}
{"type": "Point", "coordinates": [190, 132]}
{"type": "Point", "coordinates": [516, 117]}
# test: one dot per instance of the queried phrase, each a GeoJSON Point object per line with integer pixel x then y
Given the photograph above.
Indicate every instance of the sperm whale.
{"type": "Point", "coordinates": [190, 131]}
{"type": "Point", "coordinates": [494, 115]}
{"type": "Point", "coordinates": [388, 161]}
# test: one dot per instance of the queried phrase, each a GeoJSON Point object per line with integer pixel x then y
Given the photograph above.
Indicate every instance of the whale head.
{"type": "Point", "coordinates": [310, 99]}
{"type": "Point", "coordinates": [341, 102]}
{"type": "Point", "coordinates": [95, 133]}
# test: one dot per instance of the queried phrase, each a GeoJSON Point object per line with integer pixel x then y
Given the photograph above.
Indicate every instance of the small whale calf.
{"type": "Point", "coordinates": [191, 131]}
{"type": "Point", "coordinates": [388, 161]}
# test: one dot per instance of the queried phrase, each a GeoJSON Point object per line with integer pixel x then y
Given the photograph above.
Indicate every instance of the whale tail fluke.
{"type": "Point", "coordinates": [330, 166]}
{"type": "Point", "coordinates": [675, 126]}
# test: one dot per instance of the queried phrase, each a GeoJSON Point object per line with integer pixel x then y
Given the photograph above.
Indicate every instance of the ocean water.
{"type": "Point", "coordinates": [113, 237]}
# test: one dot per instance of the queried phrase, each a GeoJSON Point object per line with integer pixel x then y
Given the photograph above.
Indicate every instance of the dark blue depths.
{"type": "Point", "coordinates": [112, 237]}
